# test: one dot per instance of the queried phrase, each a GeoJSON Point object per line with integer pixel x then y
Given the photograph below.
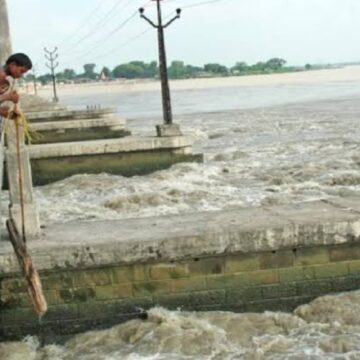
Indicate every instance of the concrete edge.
{"type": "Point", "coordinates": [106, 146]}
{"type": "Point", "coordinates": [78, 124]}
{"type": "Point", "coordinates": [177, 237]}
{"type": "Point", "coordinates": [59, 114]}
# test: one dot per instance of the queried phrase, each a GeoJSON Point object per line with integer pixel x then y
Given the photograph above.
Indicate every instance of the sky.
{"type": "Point", "coordinates": [110, 32]}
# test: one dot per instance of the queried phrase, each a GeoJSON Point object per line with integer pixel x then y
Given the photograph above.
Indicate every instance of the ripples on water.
{"type": "Point", "coordinates": [327, 328]}
{"type": "Point", "coordinates": [256, 157]}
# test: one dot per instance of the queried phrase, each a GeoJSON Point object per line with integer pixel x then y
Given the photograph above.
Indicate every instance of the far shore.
{"type": "Point", "coordinates": [349, 73]}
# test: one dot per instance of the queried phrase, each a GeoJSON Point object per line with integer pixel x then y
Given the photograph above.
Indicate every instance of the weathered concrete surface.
{"type": "Point", "coordinates": [33, 103]}
{"type": "Point", "coordinates": [168, 130]}
{"type": "Point", "coordinates": [127, 144]}
{"type": "Point", "coordinates": [79, 130]}
{"type": "Point", "coordinates": [113, 123]}
{"type": "Point", "coordinates": [49, 170]}
{"type": "Point", "coordinates": [189, 236]}
{"type": "Point", "coordinates": [55, 115]}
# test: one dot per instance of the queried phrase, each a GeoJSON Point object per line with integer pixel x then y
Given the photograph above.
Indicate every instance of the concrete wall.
{"type": "Point", "coordinates": [79, 134]}
{"type": "Point", "coordinates": [49, 170]}
{"type": "Point", "coordinates": [88, 298]}
{"type": "Point", "coordinates": [96, 274]}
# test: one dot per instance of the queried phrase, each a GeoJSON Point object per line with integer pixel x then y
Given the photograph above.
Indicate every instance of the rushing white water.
{"type": "Point", "coordinates": [327, 328]}
{"type": "Point", "coordinates": [278, 155]}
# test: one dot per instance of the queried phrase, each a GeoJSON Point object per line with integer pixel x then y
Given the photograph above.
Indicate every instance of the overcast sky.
{"type": "Point", "coordinates": [109, 32]}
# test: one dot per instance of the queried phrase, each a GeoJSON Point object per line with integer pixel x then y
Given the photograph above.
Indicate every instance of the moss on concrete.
{"type": "Point", "coordinates": [83, 299]}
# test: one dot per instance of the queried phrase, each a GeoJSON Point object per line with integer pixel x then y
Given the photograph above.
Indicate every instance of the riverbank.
{"type": "Point", "coordinates": [349, 73]}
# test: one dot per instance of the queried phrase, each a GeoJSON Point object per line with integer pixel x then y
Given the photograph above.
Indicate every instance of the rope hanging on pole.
{"type": "Point", "coordinates": [20, 180]}
{"type": "Point", "coordinates": [33, 283]}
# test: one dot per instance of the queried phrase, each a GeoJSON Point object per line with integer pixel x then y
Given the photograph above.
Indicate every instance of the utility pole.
{"type": "Point", "coordinates": [51, 56]}
{"type": "Point", "coordinates": [166, 100]}
{"type": "Point", "coordinates": [35, 80]}
{"type": "Point", "coordinates": [5, 40]}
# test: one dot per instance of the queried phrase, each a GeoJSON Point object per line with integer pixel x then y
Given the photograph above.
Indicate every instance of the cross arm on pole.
{"type": "Point", "coordinates": [141, 11]}
{"type": "Point", "coordinates": [178, 12]}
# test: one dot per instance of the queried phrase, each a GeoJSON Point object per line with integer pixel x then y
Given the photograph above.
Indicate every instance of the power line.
{"type": "Point", "coordinates": [127, 42]}
{"type": "Point", "coordinates": [130, 40]}
{"type": "Point", "coordinates": [104, 39]}
{"type": "Point", "coordinates": [109, 35]}
{"type": "Point", "coordinates": [135, 37]}
{"type": "Point", "coordinates": [101, 22]}
{"type": "Point", "coordinates": [196, 4]}
{"type": "Point", "coordinates": [90, 47]}
{"type": "Point", "coordinates": [51, 56]}
{"type": "Point", "coordinates": [85, 21]}
{"type": "Point", "coordinates": [201, 3]}
{"type": "Point", "coordinates": [122, 45]}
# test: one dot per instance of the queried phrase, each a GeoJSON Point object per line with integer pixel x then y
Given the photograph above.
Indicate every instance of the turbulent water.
{"type": "Point", "coordinates": [327, 328]}
{"type": "Point", "coordinates": [270, 155]}
{"type": "Point", "coordinates": [275, 155]}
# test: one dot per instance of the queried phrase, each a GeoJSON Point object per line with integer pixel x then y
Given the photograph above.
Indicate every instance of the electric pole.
{"type": "Point", "coordinates": [51, 56]}
{"type": "Point", "coordinates": [166, 100]}
{"type": "Point", "coordinates": [35, 79]}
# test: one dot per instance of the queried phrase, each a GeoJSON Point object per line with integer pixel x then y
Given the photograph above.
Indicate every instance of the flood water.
{"type": "Point", "coordinates": [288, 151]}
{"type": "Point", "coordinates": [263, 145]}
{"type": "Point", "coordinates": [327, 328]}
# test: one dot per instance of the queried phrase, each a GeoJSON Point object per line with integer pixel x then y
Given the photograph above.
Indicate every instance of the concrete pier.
{"type": "Point", "coordinates": [94, 140]}
{"type": "Point", "coordinates": [79, 130]}
{"type": "Point", "coordinates": [61, 114]}
{"type": "Point", "coordinates": [96, 274]}
{"type": "Point", "coordinates": [127, 144]}
{"type": "Point", "coordinates": [126, 156]}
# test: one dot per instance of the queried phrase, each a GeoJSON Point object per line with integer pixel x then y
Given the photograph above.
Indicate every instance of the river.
{"type": "Point", "coordinates": [263, 145]}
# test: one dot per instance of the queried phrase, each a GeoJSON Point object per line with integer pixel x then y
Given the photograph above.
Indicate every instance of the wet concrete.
{"type": "Point", "coordinates": [176, 237]}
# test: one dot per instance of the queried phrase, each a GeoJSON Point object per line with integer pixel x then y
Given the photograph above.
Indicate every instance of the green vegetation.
{"type": "Point", "coordinates": [176, 70]}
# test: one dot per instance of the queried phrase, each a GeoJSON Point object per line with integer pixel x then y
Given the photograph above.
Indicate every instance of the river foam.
{"type": "Point", "coordinates": [326, 328]}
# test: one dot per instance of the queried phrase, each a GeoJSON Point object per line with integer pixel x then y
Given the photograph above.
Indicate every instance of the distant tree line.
{"type": "Point", "coordinates": [176, 70]}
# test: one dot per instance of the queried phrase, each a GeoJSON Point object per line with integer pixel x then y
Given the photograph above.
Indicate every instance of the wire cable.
{"type": "Point", "coordinates": [84, 22]}
{"type": "Point", "coordinates": [197, 4]}
{"type": "Point", "coordinates": [109, 35]}
{"type": "Point", "coordinates": [101, 22]}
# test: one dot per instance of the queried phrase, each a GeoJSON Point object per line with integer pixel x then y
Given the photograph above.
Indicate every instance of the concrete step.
{"type": "Point", "coordinates": [58, 115]}
{"type": "Point", "coordinates": [106, 146]}
{"type": "Point", "coordinates": [34, 103]}
{"type": "Point", "coordinates": [127, 156]}
{"type": "Point", "coordinates": [115, 123]}
{"type": "Point", "coordinates": [79, 130]}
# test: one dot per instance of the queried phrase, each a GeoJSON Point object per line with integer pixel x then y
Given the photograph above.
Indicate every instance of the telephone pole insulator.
{"type": "Point", "coordinates": [166, 100]}
{"type": "Point", "coordinates": [51, 56]}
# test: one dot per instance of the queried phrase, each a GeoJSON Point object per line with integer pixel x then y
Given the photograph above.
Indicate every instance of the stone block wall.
{"type": "Point", "coordinates": [81, 299]}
